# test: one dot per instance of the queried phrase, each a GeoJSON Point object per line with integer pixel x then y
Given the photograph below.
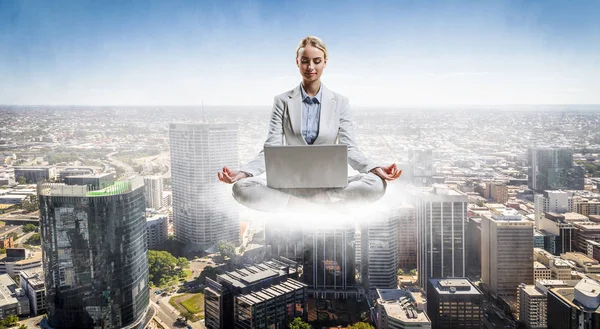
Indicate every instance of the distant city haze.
{"type": "Point", "coordinates": [242, 53]}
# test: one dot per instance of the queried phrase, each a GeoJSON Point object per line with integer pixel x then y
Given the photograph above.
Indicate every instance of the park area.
{"type": "Point", "coordinates": [191, 306]}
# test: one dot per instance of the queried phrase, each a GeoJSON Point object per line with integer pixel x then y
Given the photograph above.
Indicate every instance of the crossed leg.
{"type": "Point", "coordinates": [254, 193]}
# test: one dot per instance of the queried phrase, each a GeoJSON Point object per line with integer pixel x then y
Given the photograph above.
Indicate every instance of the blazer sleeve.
{"type": "Point", "coordinates": [357, 160]}
{"type": "Point", "coordinates": [274, 138]}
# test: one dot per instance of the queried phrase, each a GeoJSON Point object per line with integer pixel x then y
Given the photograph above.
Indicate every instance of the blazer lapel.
{"type": "Point", "coordinates": [295, 113]}
{"type": "Point", "coordinates": [326, 116]}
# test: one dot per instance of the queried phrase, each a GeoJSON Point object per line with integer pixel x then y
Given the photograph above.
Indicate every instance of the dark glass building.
{"type": "Point", "coordinates": [329, 261]}
{"type": "Point", "coordinates": [454, 303]}
{"type": "Point", "coordinates": [552, 169]}
{"type": "Point", "coordinates": [578, 307]}
{"type": "Point", "coordinates": [95, 259]}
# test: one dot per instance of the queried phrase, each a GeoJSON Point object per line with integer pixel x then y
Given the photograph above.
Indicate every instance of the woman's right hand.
{"type": "Point", "coordinates": [230, 176]}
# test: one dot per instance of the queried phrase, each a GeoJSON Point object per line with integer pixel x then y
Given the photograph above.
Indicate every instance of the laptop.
{"type": "Point", "coordinates": [307, 166]}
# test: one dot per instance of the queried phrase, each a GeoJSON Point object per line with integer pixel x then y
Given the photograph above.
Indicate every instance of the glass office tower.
{"type": "Point", "coordinates": [95, 259]}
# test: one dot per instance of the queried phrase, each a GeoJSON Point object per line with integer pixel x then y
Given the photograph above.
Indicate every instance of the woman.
{"type": "Point", "coordinates": [309, 114]}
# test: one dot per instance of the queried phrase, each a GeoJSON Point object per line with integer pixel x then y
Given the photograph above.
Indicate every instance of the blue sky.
{"type": "Point", "coordinates": [382, 53]}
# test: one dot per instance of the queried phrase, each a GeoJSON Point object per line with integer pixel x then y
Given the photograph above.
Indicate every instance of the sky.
{"type": "Point", "coordinates": [381, 53]}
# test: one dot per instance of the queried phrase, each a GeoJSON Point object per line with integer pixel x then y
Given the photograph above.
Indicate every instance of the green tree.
{"type": "Point", "coordinates": [35, 239]}
{"type": "Point", "coordinates": [413, 272]}
{"type": "Point", "coordinates": [21, 180]}
{"type": "Point", "coordinates": [164, 268]}
{"type": "Point", "coordinates": [400, 272]}
{"type": "Point", "coordinates": [361, 325]}
{"type": "Point", "coordinates": [226, 249]}
{"type": "Point", "coordinates": [2, 251]}
{"type": "Point", "coordinates": [297, 323]}
{"type": "Point", "coordinates": [29, 228]}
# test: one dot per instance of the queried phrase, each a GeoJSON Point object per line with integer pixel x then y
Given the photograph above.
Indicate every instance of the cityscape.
{"type": "Point", "coordinates": [114, 218]}
{"type": "Point", "coordinates": [135, 138]}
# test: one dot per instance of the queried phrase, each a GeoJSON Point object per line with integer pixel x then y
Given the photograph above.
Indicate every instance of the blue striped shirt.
{"type": "Point", "coordinates": [311, 112]}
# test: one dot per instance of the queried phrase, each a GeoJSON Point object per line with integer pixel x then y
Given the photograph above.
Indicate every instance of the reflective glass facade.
{"type": "Point", "coordinates": [95, 259]}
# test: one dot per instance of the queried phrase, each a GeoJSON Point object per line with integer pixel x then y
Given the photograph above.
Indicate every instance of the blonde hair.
{"type": "Point", "coordinates": [313, 41]}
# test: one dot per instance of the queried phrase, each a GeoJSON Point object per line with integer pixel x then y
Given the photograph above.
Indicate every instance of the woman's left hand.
{"type": "Point", "coordinates": [390, 172]}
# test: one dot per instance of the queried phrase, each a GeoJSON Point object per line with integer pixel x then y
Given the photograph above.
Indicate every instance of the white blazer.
{"type": "Point", "coordinates": [335, 125]}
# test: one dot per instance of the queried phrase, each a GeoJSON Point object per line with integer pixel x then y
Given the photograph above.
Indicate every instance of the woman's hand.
{"type": "Point", "coordinates": [230, 176]}
{"type": "Point", "coordinates": [390, 172]}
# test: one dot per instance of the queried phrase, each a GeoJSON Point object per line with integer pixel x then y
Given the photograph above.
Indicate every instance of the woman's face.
{"type": "Point", "coordinates": [311, 62]}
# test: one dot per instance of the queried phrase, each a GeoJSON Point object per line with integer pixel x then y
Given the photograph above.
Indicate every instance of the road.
{"type": "Point", "coordinates": [127, 168]}
{"type": "Point", "coordinates": [167, 313]}
{"type": "Point", "coordinates": [18, 242]}
{"type": "Point", "coordinates": [31, 323]}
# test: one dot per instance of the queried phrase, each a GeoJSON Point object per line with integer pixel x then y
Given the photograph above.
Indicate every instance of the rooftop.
{"type": "Point", "coordinates": [250, 275]}
{"type": "Point", "coordinates": [454, 286]}
{"type": "Point", "coordinates": [532, 291]}
{"type": "Point", "coordinates": [273, 291]}
{"type": "Point", "coordinates": [400, 304]}
{"type": "Point", "coordinates": [7, 290]}
{"type": "Point", "coordinates": [120, 187]}
{"type": "Point", "coordinates": [34, 277]}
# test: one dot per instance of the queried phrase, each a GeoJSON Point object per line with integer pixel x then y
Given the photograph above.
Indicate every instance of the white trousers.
{"type": "Point", "coordinates": [254, 193]}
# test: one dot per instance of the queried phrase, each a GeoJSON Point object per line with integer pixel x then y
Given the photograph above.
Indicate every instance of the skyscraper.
{"type": "Point", "coordinates": [441, 214]}
{"type": "Point", "coordinates": [329, 261]}
{"type": "Point", "coordinates": [552, 169]}
{"type": "Point", "coordinates": [203, 207]}
{"type": "Point", "coordinates": [454, 303]}
{"type": "Point", "coordinates": [379, 247]}
{"type": "Point", "coordinates": [154, 188]}
{"type": "Point", "coordinates": [421, 166]}
{"type": "Point", "coordinates": [95, 256]}
{"type": "Point", "coordinates": [507, 251]}
{"type": "Point", "coordinates": [407, 237]}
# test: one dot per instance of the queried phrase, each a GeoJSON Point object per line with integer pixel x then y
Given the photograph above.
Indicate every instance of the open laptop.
{"type": "Point", "coordinates": [307, 166]}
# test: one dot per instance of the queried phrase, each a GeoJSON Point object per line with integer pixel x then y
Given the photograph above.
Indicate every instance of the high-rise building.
{"type": "Point", "coordinates": [329, 261]}
{"type": "Point", "coordinates": [551, 201]}
{"type": "Point", "coordinates": [260, 296]}
{"type": "Point", "coordinates": [95, 255]}
{"type": "Point", "coordinates": [399, 309]}
{"type": "Point", "coordinates": [32, 282]}
{"type": "Point", "coordinates": [379, 248]}
{"type": "Point", "coordinates": [203, 207]}
{"type": "Point", "coordinates": [454, 303]}
{"type": "Point", "coordinates": [532, 306]}
{"type": "Point", "coordinates": [506, 251]}
{"type": "Point", "coordinates": [441, 220]}
{"type": "Point", "coordinates": [473, 247]}
{"type": "Point", "coordinates": [157, 230]}
{"type": "Point", "coordinates": [421, 166]}
{"type": "Point", "coordinates": [153, 186]}
{"type": "Point", "coordinates": [559, 233]}
{"type": "Point", "coordinates": [407, 237]}
{"type": "Point", "coordinates": [584, 232]}
{"type": "Point", "coordinates": [552, 169]}
{"type": "Point", "coordinates": [578, 307]}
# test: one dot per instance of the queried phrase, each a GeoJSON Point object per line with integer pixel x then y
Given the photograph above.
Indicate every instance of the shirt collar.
{"type": "Point", "coordinates": [317, 96]}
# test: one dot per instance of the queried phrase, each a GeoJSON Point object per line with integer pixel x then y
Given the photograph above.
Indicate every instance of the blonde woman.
{"type": "Point", "coordinates": [309, 114]}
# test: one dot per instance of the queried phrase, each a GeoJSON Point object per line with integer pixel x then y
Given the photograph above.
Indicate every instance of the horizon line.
{"type": "Point", "coordinates": [269, 105]}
